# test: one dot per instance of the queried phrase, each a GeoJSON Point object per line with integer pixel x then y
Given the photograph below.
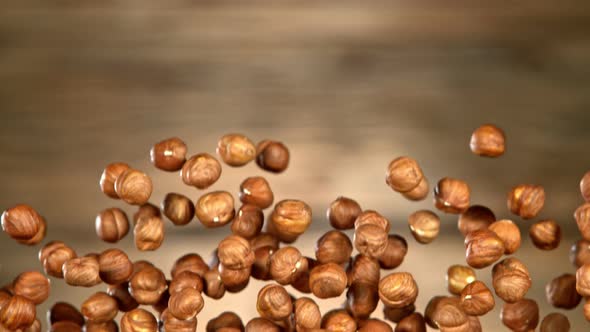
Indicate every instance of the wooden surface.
{"type": "Point", "coordinates": [346, 85]}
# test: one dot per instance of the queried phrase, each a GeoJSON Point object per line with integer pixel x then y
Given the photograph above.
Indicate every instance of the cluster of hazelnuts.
{"type": "Point", "coordinates": [269, 254]}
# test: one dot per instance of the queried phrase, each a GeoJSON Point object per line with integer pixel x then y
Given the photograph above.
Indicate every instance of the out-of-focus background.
{"type": "Point", "coordinates": [346, 85]}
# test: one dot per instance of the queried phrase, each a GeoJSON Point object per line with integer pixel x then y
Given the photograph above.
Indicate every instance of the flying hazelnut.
{"type": "Point", "coordinates": [526, 200]}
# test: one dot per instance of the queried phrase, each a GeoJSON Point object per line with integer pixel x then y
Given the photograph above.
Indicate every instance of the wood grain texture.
{"type": "Point", "coordinates": [347, 85]}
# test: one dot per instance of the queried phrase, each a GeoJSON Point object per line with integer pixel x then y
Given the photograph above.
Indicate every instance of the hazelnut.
{"type": "Point", "coordinates": [361, 300]}
{"type": "Point", "coordinates": [39, 236]}
{"type": "Point", "coordinates": [521, 316]}
{"type": "Point", "coordinates": [138, 320]}
{"type": "Point", "coordinates": [302, 283]}
{"type": "Point", "coordinates": [82, 271]}
{"type": "Point", "coordinates": [374, 324]}
{"type": "Point", "coordinates": [526, 200]}
{"type": "Point", "coordinates": [189, 262]}
{"type": "Point", "coordinates": [17, 313]}
{"type": "Point", "coordinates": [338, 321]}
{"type": "Point", "coordinates": [201, 171]}
{"type": "Point", "coordinates": [214, 287]}
{"type": "Point", "coordinates": [394, 253]}
{"type": "Point", "coordinates": [287, 264]}
{"type": "Point", "coordinates": [109, 326]}
{"type": "Point", "coordinates": [147, 285]}
{"type": "Point", "coordinates": [398, 289]}
{"type": "Point", "coordinates": [343, 212]}
{"type": "Point", "coordinates": [272, 156]}
{"type": "Point", "coordinates": [226, 319]}
{"type": "Point", "coordinates": [403, 174]}
{"type": "Point", "coordinates": [333, 247]}
{"type": "Point", "coordinates": [65, 326]}
{"type": "Point", "coordinates": [63, 311]}
{"type": "Point", "coordinates": [448, 315]}
{"type": "Point", "coordinates": [290, 218]}
{"type": "Point", "coordinates": [149, 233]}
{"type": "Point", "coordinates": [411, 323]}
{"type": "Point", "coordinates": [114, 266]}
{"type": "Point", "coordinates": [178, 208]}
{"type": "Point", "coordinates": [370, 217]}
{"type": "Point", "coordinates": [185, 304]}
{"type": "Point", "coordinates": [459, 276]}
{"type": "Point", "coordinates": [585, 186]}
{"type": "Point", "coordinates": [140, 265]}
{"type": "Point", "coordinates": [555, 322]}
{"type": "Point", "coordinates": [53, 256]}
{"type": "Point", "coordinates": [99, 308]}
{"type": "Point", "coordinates": [274, 303]}
{"type": "Point", "coordinates": [215, 209]}
{"type": "Point", "coordinates": [477, 299]}
{"type": "Point", "coordinates": [488, 141]}
{"type": "Point", "coordinates": [430, 309]}
{"type": "Point", "coordinates": [580, 253]}
{"type": "Point", "coordinates": [234, 280]}
{"type": "Point", "coordinates": [419, 192]}
{"type": "Point", "coordinates": [364, 269]}
{"type": "Point", "coordinates": [306, 314]}
{"type": "Point", "coordinates": [483, 248]}
{"type": "Point", "coordinates": [582, 216]}
{"type": "Point", "coordinates": [474, 324]}
{"type": "Point", "coordinates": [561, 292]}
{"type": "Point", "coordinates": [261, 266]}
{"type": "Point", "coordinates": [120, 292]}
{"type": "Point", "coordinates": [509, 233]}
{"type": "Point", "coordinates": [109, 176]}
{"type": "Point", "coordinates": [264, 239]}
{"type": "Point", "coordinates": [545, 234]}
{"type": "Point", "coordinates": [327, 280]}
{"type": "Point", "coordinates": [186, 279]}
{"type": "Point", "coordinates": [21, 222]}
{"type": "Point", "coordinates": [476, 217]}
{"type": "Point", "coordinates": [370, 240]}
{"type": "Point", "coordinates": [35, 327]}
{"type": "Point", "coordinates": [424, 225]}
{"type": "Point", "coordinates": [134, 187]}
{"type": "Point", "coordinates": [111, 225]}
{"type": "Point", "coordinates": [397, 314]}
{"type": "Point", "coordinates": [511, 280]}
{"type": "Point", "coordinates": [169, 154]}
{"type": "Point", "coordinates": [4, 297]}
{"type": "Point", "coordinates": [235, 253]}
{"type": "Point", "coordinates": [236, 150]}
{"type": "Point", "coordinates": [146, 210]}
{"type": "Point", "coordinates": [255, 190]}
{"type": "Point", "coordinates": [169, 323]}
{"type": "Point", "coordinates": [261, 325]}
{"type": "Point", "coordinates": [248, 221]}
{"type": "Point", "coordinates": [33, 286]}
{"type": "Point", "coordinates": [451, 195]}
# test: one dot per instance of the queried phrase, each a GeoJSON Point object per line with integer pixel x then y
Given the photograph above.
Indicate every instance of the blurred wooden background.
{"type": "Point", "coordinates": [347, 85]}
